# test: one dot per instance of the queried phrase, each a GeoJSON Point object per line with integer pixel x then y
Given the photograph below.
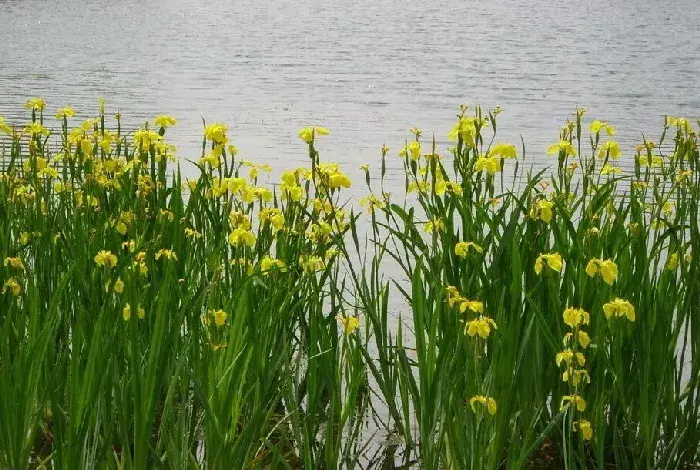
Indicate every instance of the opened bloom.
{"type": "Point", "coordinates": [464, 130]}
{"type": "Point", "coordinates": [481, 326]}
{"type": "Point", "coordinates": [606, 268]}
{"type": "Point", "coordinates": [434, 226]}
{"type": "Point", "coordinates": [412, 150]}
{"type": "Point", "coordinates": [610, 170]}
{"type": "Point", "coordinates": [307, 134]}
{"type": "Point", "coordinates": [220, 317]}
{"type": "Point", "coordinates": [165, 121]}
{"type": "Point", "coordinates": [610, 148]}
{"type": "Point", "coordinates": [542, 210]}
{"type": "Point", "coordinates": [12, 286]}
{"type": "Point", "coordinates": [462, 248]}
{"type": "Point", "coordinates": [619, 308]}
{"type": "Point", "coordinates": [583, 339]}
{"type": "Point", "coordinates": [241, 236]}
{"type": "Point", "coordinates": [576, 400]}
{"type": "Point", "coordinates": [553, 260]}
{"type": "Point", "coordinates": [576, 376]}
{"type": "Point", "coordinates": [487, 402]}
{"type": "Point", "coordinates": [491, 165]}
{"type": "Point", "coordinates": [165, 254]}
{"type": "Point", "coordinates": [268, 264]}
{"type": "Point", "coordinates": [503, 150]}
{"type": "Point", "coordinates": [66, 112]}
{"type": "Point", "coordinates": [312, 263]}
{"type": "Point", "coordinates": [106, 259]}
{"type": "Point", "coordinates": [597, 126]}
{"type": "Point", "coordinates": [585, 427]}
{"type": "Point", "coordinates": [568, 356]}
{"type": "Point", "coordinates": [575, 317]}
{"type": "Point", "coordinates": [563, 146]}
{"type": "Point", "coordinates": [350, 324]}
{"type": "Point", "coordinates": [15, 263]}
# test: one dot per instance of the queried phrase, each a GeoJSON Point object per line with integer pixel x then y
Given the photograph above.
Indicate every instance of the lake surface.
{"type": "Point", "coordinates": [367, 69]}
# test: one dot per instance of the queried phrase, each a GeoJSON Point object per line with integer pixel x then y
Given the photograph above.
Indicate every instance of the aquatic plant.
{"type": "Point", "coordinates": [148, 320]}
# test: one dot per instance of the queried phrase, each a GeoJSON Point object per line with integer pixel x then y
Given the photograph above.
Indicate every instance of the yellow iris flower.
{"type": "Point", "coordinates": [307, 134]}
{"type": "Point", "coordinates": [434, 226]}
{"type": "Point", "coordinates": [606, 268]}
{"type": "Point", "coordinates": [165, 121]}
{"type": "Point", "coordinates": [568, 356]}
{"type": "Point", "coordinates": [583, 339]}
{"type": "Point", "coordinates": [462, 248]}
{"type": "Point", "coordinates": [577, 376]}
{"type": "Point", "coordinates": [165, 254]}
{"type": "Point", "coordinates": [503, 150]}
{"type": "Point", "coordinates": [619, 308]}
{"type": "Point", "coordinates": [412, 150]}
{"type": "Point", "coordinates": [350, 324]}
{"type": "Point", "coordinates": [12, 286]}
{"type": "Point", "coordinates": [487, 402]}
{"type": "Point", "coordinates": [597, 126]}
{"type": "Point", "coordinates": [563, 146]}
{"type": "Point", "coordinates": [491, 165]}
{"type": "Point", "coordinates": [611, 149]}
{"type": "Point", "coordinates": [577, 400]}
{"type": "Point", "coordinates": [66, 112]}
{"type": "Point", "coordinates": [481, 326]}
{"type": "Point", "coordinates": [575, 317]}
{"type": "Point", "coordinates": [219, 316]}
{"type": "Point", "coordinates": [15, 263]}
{"type": "Point", "coordinates": [105, 258]}
{"type": "Point", "coordinates": [585, 427]}
{"type": "Point", "coordinates": [553, 260]}
{"type": "Point", "coordinates": [542, 210]}
{"type": "Point", "coordinates": [240, 237]}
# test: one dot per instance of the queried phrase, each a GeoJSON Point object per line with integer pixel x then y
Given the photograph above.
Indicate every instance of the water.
{"type": "Point", "coordinates": [368, 70]}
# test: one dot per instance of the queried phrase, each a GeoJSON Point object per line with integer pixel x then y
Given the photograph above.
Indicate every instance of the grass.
{"type": "Point", "coordinates": [150, 321]}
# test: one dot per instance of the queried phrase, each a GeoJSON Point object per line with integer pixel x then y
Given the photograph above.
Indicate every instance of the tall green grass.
{"type": "Point", "coordinates": [153, 321]}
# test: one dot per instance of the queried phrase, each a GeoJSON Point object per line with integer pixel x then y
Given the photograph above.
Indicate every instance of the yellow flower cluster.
{"type": "Point", "coordinates": [480, 325]}
{"type": "Point", "coordinates": [574, 361]}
